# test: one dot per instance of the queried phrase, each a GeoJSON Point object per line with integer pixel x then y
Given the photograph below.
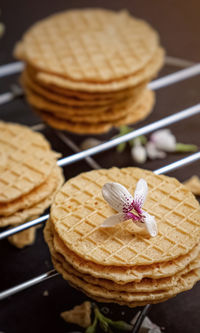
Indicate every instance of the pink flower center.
{"type": "Point", "coordinates": [133, 216]}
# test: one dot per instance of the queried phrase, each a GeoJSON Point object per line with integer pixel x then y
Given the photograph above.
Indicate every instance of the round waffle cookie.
{"type": "Point", "coordinates": [123, 275]}
{"type": "Point", "coordinates": [83, 96]}
{"type": "Point", "coordinates": [34, 203]}
{"type": "Point", "coordinates": [28, 161]}
{"type": "Point", "coordinates": [133, 114]}
{"type": "Point", "coordinates": [29, 179]}
{"type": "Point", "coordinates": [146, 74]}
{"type": "Point", "coordinates": [36, 195]}
{"type": "Point", "coordinates": [144, 285]}
{"type": "Point", "coordinates": [82, 64]}
{"type": "Point", "coordinates": [173, 205]}
{"type": "Point", "coordinates": [64, 97]}
{"type": "Point", "coordinates": [123, 264]}
{"type": "Point", "coordinates": [43, 103]}
{"type": "Point", "coordinates": [107, 114]}
{"type": "Point", "coordinates": [93, 45]}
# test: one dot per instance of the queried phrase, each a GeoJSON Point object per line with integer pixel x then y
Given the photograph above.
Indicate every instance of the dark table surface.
{"type": "Point", "coordinates": [179, 27]}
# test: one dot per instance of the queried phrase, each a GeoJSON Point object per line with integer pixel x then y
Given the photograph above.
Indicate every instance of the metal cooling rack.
{"type": "Point", "coordinates": [191, 71]}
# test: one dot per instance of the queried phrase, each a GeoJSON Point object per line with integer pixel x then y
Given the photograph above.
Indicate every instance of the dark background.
{"type": "Point", "coordinates": [179, 27]}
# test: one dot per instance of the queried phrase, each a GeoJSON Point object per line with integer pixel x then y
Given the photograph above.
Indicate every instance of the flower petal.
{"type": "Point", "coordinates": [140, 195]}
{"type": "Point", "coordinates": [164, 140]}
{"type": "Point", "coordinates": [114, 219]}
{"type": "Point", "coordinates": [139, 154]}
{"type": "Point", "coordinates": [118, 197]}
{"type": "Point", "coordinates": [150, 224]}
{"type": "Point", "coordinates": [153, 152]}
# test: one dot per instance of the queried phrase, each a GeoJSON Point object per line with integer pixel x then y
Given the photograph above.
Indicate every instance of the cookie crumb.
{"type": "Point", "coordinates": [193, 184]}
{"type": "Point", "coordinates": [79, 315]}
{"type": "Point", "coordinates": [46, 293]}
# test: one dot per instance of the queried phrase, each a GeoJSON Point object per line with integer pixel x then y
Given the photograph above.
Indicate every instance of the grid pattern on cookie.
{"type": "Point", "coordinates": [122, 275]}
{"type": "Point", "coordinates": [79, 225]}
{"type": "Point", "coordinates": [28, 161]}
{"type": "Point", "coordinates": [36, 195]}
{"type": "Point", "coordinates": [103, 46]}
{"type": "Point", "coordinates": [144, 286]}
{"type": "Point", "coordinates": [185, 282]}
{"type": "Point", "coordinates": [85, 96]}
{"type": "Point", "coordinates": [68, 100]}
{"type": "Point", "coordinates": [24, 215]}
{"type": "Point", "coordinates": [181, 282]}
{"type": "Point", "coordinates": [146, 74]}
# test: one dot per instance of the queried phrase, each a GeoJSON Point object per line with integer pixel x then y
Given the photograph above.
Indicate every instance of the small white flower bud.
{"type": "Point", "coordinates": [153, 152]}
{"type": "Point", "coordinates": [164, 140]}
{"type": "Point", "coordinates": [139, 154]}
{"type": "Point", "coordinates": [90, 143]}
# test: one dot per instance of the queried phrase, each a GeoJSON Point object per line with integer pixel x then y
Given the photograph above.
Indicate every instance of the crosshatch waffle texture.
{"type": "Point", "coordinates": [28, 160]}
{"type": "Point", "coordinates": [29, 178]}
{"type": "Point", "coordinates": [79, 210]}
{"type": "Point", "coordinates": [90, 45]}
{"type": "Point", "coordinates": [123, 264]}
{"type": "Point", "coordinates": [36, 195]}
{"type": "Point", "coordinates": [86, 69]}
{"type": "Point", "coordinates": [146, 74]}
{"type": "Point", "coordinates": [34, 211]}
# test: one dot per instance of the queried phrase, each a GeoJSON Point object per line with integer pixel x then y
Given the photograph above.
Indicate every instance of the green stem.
{"type": "Point", "coordinates": [184, 148]}
{"type": "Point", "coordinates": [120, 325]}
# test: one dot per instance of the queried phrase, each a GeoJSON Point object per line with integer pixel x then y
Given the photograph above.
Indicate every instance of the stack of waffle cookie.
{"type": "Point", "coordinates": [29, 177]}
{"type": "Point", "coordinates": [123, 264]}
{"type": "Point", "coordinates": [87, 70]}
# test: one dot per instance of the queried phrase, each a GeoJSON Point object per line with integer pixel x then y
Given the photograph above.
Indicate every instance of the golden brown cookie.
{"type": "Point", "coordinates": [28, 161]}
{"type": "Point", "coordinates": [133, 115]}
{"type": "Point", "coordinates": [37, 209]}
{"type": "Point", "coordinates": [94, 45]}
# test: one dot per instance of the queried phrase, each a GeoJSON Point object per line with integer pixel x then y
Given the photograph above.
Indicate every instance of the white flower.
{"type": "Point", "coordinates": [90, 143]}
{"type": "Point", "coordinates": [138, 153]}
{"type": "Point", "coordinates": [119, 198]}
{"type": "Point", "coordinates": [153, 152]}
{"type": "Point", "coordinates": [164, 140]}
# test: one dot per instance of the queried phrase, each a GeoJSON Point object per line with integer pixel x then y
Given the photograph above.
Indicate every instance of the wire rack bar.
{"type": "Point", "coordinates": [28, 284]}
{"type": "Point", "coordinates": [12, 68]}
{"type": "Point", "coordinates": [91, 162]}
{"type": "Point", "coordinates": [178, 62]}
{"type": "Point", "coordinates": [141, 317]}
{"type": "Point", "coordinates": [175, 77]}
{"type": "Point", "coordinates": [189, 112]}
{"type": "Point", "coordinates": [52, 273]}
{"type": "Point", "coordinates": [170, 167]}
{"type": "Point", "coordinates": [23, 226]}
{"type": "Point", "coordinates": [178, 164]}
{"type": "Point", "coordinates": [6, 97]}
{"type": "Point", "coordinates": [38, 127]}
{"type": "Point", "coordinates": [154, 85]}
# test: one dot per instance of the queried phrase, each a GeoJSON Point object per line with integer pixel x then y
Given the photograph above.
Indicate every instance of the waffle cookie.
{"type": "Point", "coordinates": [123, 264]}
{"type": "Point", "coordinates": [87, 68]}
{"type": "Point", "coordinates": [29, 177]}
{"type": "Point", "coordinates": [94, 125]}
